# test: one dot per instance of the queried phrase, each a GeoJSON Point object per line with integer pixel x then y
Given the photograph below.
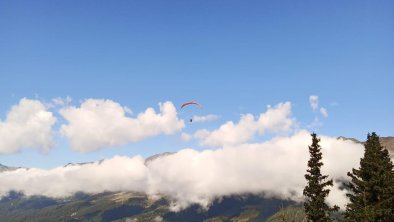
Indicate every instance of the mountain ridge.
{"type": "Point", "coordinates": [387, 142]}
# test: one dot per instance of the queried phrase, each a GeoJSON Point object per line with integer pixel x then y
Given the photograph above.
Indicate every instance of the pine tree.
{"type": "Point", "coordinates": [372, 185]}
{"type": "Point", "coordinates": [315, 192]}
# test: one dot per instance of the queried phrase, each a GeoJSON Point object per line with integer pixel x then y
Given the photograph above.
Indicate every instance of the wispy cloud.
{"type": "Point", "coordinates": [324, 112]}
{"type": "Point", "coordinates": [61, 102]}
{"type": "Point", "coordinates": [314, 102]}
{"type": "Point", "coordinates": [207, 118]}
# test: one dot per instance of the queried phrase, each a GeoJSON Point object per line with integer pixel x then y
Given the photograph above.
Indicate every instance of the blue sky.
{"type": "Point", "coordinates": [235, 57]}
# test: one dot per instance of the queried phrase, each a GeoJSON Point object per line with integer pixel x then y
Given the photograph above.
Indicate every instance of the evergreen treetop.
{"type": "Point", "coordinates": [372, 185]}
{"type": "Point", "coordinates": [315, 192]}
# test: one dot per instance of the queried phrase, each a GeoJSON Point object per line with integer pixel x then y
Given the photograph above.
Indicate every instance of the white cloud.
{"type": "Point", "coordinates": [275, 168]}
{"type": "Point", "coordinates": [206, 118]}
{"type": "Point", "coordinates": [229, 133]}
{"type": "Point", "coordinates": [314, 102]}
{"type": "Point", "coordinates": [275, 120]}
{"type": "Point", "coordinates": [103, 123]}
{"type": "Point", "coordinates": [59, 101]}
{"type": "Point", "coordinates": [27, 125]}
{"type": "Point", "coordinates": [324, 112]}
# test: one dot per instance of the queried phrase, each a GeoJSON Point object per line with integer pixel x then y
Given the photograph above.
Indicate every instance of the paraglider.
{"type": "Point", "coordinates": [191, 103]}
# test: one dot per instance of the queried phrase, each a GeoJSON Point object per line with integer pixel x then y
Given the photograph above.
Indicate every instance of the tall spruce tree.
{"type": "Point", "coordinates": [372, 185]}
{"type": "Point", "coordinates": [315, 192]}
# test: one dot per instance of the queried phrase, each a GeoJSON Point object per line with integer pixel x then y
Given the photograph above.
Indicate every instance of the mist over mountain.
{"type": "Point", "coordinates": [191, 177]}
{"type": "Point", "coordinates": [4, 168]}
{"type": "Point", "coordinates": [211, 185]}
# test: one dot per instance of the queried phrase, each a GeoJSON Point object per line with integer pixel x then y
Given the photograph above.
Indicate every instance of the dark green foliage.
{"type": "Point", "coordinates": [120, 212]}
{"type": "Point", "coordinates": [315, 192]}
{"type": "Point", "coordinates": [372, 185]}
{"type": "Point", "coordinates": [231, 208]}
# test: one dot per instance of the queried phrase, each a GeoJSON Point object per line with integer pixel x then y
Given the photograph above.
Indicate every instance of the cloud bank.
{"type": "Point", "coordinates": [101, 123]}
{"type": "Point", "coordinates": [275, 168]}
{"type": "Point", "coordinates": [27, 125]}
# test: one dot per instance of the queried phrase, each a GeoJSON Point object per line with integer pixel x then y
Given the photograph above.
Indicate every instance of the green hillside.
{"type": "Point", "coordinates": [131, 207]}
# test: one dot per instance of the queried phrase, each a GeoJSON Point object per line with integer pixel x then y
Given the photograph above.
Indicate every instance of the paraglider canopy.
{"type": "Point", "coordinates": [191, 103]}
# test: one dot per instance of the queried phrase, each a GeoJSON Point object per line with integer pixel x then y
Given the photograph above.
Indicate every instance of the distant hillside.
{"type": "Point", "coordinates": [4, 168]}
{"type": "Point", "coordinates": [130, 207]}
{"type": "Point", "coordinates": [387, 142]}
{"type": "Point", "coordinates": [157, 156]}
{"type": "Point", "coordinates": [295, 214]}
